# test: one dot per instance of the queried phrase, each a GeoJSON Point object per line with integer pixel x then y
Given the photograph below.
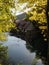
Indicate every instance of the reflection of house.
{"type": "Point", "coordinates": [21, 16]}
{"type": "Point", "coordinates": [24, 25]}
{"type": "Point", "coordinates": [29, 30]}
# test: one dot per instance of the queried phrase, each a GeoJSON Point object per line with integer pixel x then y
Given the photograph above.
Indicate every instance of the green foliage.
{"type": "Point", "coordinates": [6, 26]}
{"type": "Point", "coordinates": [3, 37]}
{"type": "Point", "coordinates": [6, 16]}
{"type": "Point", "coordinates": [37, 12]}
{"type": "Point", "coordinates": [3, 53]}
{"type": "Point", "coordinates": [5, 10]}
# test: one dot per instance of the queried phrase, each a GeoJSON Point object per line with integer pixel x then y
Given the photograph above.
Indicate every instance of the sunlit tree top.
{"type": "Point", "coordinates": [5, 9]}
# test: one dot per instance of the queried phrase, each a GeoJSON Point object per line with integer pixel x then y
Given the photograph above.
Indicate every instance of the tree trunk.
{"type": "Point", "coordinates": [47, 10]}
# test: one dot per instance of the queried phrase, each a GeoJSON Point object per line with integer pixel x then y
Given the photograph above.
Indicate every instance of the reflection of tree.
{"type": "Point", "coordinates": [3, 54]}
{"type": "Point", "coordinates": [39, 46]}
{"type": "Point", "coordinates": [3, 49]}
{"type": "Point", "coordinates": [3, 37]}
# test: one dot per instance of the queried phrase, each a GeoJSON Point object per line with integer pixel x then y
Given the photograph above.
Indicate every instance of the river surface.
{"type": "Point", "coordinates": [18, 52]}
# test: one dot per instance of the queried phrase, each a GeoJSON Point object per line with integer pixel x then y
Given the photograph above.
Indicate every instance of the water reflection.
{"type": "Point", "coordinates": [3, 37]}
{"type": "Point", "coordinates": [17, 51]}
{"type": "Point", "coordinates": [3, 54]}
{"type": "Point", "coordinates": [40, 47]}
{"type": "Point", "coordinates": [3, 49]}
{"type": "Point", "coordinates": [20, 51]}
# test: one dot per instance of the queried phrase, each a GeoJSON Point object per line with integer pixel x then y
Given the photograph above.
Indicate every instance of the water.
{"type": "Point", "coordinates": [18, 52]}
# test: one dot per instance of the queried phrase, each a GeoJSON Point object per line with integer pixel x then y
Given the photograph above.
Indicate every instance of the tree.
{"type": "Point", "coordinates": [6, 16]}
{"type": "Point", "coordinates": [3, 54]}
{"type": "Point", "coordinates": [37, 11]}
{"type": "Point", "coordinates": [47, 15]}
{"type": "Point", "coordinates": [5, 9]}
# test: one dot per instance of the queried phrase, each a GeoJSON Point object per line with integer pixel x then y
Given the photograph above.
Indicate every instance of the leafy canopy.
{"type": "Point", "coordinates": [37, 11]}
{"type": "Point", "coordinates": [6, 16]}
